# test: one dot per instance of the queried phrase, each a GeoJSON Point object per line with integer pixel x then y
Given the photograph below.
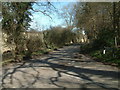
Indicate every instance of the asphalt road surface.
{"type": "Point", "coordinates": [64, 68]}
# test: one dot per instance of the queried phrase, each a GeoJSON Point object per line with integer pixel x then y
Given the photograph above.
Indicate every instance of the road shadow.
{"type": "Point", "coordinates": [60, 68]}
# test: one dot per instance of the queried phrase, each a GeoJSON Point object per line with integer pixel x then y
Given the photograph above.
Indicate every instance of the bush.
{"type": "Point", "coordinates": [7, 55]}
{"type": "Point", "coordinates": [34, 44]}
{"type": "Point", "coordinates": [105, 38]}
{"type": "Point", "coordinates": [58, 36]}
{"type": "Point", "coordinates": [85, 48]}
{"type": "Point", "coordinates": [110, 56]}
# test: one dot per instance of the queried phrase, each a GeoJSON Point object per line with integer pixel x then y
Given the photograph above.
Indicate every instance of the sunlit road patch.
{"type": "Point", "coordinates": [59, 70]}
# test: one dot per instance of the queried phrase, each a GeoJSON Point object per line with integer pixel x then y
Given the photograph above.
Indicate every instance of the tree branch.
{"type": "Point", "coordinates": [43, 12]}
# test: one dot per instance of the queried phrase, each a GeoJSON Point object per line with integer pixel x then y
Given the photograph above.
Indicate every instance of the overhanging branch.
{"type": "Point", "coordinates": [43, 12]}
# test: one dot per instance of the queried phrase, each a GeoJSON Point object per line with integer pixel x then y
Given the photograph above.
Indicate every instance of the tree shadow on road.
{"type": "Point", "coordinates": [47, 62]}
{"type": "Point", "coordinates": [79, 72]}
{"type": "Point", "coordinates": [60, 68]}
{"type": "Point", "coordinates": [10, 74]}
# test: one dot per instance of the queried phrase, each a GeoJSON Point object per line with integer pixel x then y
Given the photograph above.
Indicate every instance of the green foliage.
{"type": "Point", "coordinates": [105, 39]}
{"type": "Point", "coordinates": [41, 52]}
{"type": "Point", "coordinates": [100, 21]}
{"type": "Point", "coordinates": [7, 55]}
{"type": "Point", "coordinates": [101, 25]}
{"type": "Point", "coordinates": [16, 18]}
{"type": "Point", "coordinates": [97, 54]}
{"type": "Point", "coordinates": [111, 56]}
{"type": "Point", "coordinates": [85, 48]}
{"type": "Point", "coordinates": [34, 43]}
{"type": "Point", "coordinates": [57, 36]}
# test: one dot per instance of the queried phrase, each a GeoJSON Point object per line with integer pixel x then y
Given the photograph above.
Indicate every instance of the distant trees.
{"type": "Point", "coordinates": [100, 21]}
{"type": "Point", "coordinates": [68, 15]}
{"type": "Point", "coordinates": [58, 36]}
{"type": "Point", "coordinates": [116, 21]}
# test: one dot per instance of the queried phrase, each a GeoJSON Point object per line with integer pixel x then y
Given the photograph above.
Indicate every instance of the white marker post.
{"type": "Point", "coordinates": [104, 51]}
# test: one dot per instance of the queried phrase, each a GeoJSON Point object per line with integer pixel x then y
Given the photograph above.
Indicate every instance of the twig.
{"type": "Point", "coordinates": [42, 12]}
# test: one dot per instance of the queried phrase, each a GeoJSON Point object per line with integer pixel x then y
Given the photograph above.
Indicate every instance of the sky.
{"type": "Point", "coordinates": [41, 22]}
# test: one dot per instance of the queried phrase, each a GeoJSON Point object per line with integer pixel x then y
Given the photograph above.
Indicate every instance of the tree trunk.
{"type": "Point", "coordinates": [114, 22]}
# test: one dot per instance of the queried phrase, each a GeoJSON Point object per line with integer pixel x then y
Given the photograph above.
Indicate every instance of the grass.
{"type": "Point", "coordinates": [6, 61]}
{"type": "Point", "coordinates": [41, 52]}
{"type": "Point", "coordinates": [112, 56]}
{"type": "Point", "coordinates": [108, 57]}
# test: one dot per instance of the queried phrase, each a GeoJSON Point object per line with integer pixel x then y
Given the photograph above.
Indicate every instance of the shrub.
{"type": "Point", "coordinates": [34, 44]}
{"type": "Point", "coordinates": [57, 37]}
